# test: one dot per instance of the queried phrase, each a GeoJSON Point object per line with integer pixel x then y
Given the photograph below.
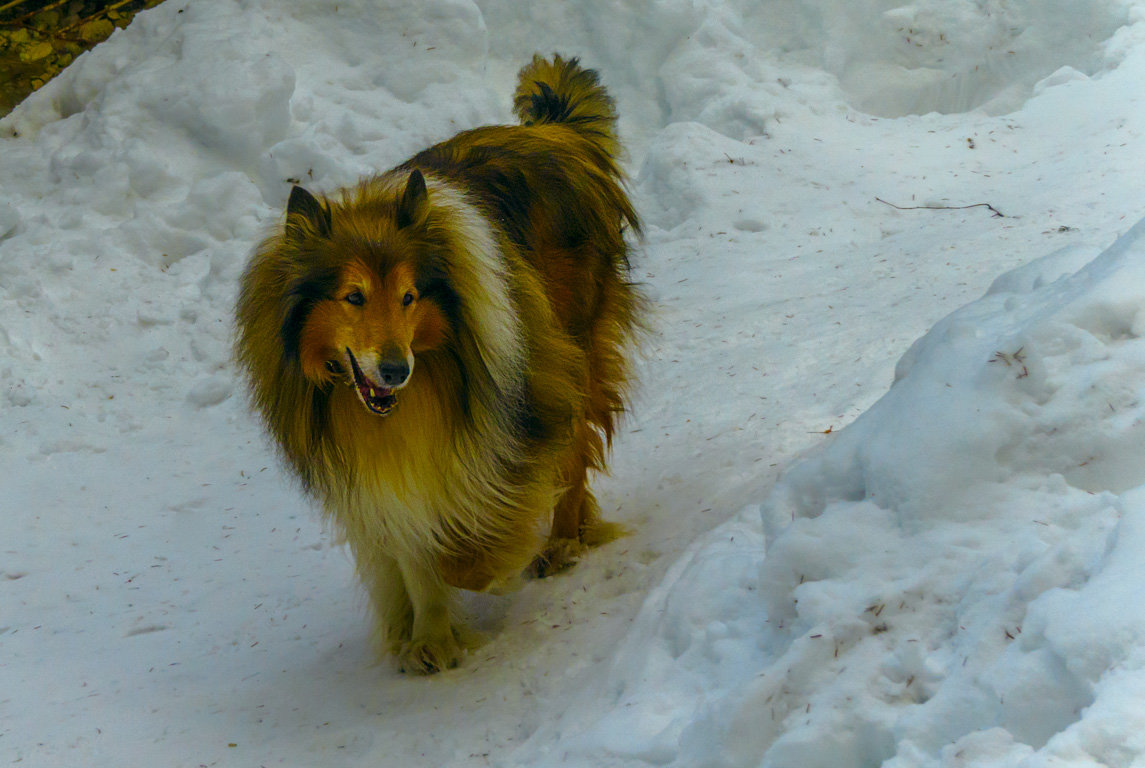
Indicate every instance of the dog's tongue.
{"type": "Point", "coordinates": [379, 400]}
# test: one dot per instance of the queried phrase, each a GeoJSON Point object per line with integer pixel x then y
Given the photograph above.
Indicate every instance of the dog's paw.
{"type": "Point", "coordinates": [598, 532]}
{"type": "Point", "coordinates": [559, 555]}
{"type": "Point", "coordinates": [429, 655]}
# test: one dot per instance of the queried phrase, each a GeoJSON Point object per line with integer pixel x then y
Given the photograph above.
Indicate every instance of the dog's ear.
{"type": "Point", "coordinates": [304, 211]}
{"type": "Point", "coordinates": [414, 204]}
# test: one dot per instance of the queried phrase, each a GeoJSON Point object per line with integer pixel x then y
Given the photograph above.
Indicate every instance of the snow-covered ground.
{"type": "Point", "coordinates": [823, 572]}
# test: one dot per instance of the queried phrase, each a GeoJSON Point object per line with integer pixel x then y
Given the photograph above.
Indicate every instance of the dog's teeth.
{"type": "Point", "coordinates": [373, 393]}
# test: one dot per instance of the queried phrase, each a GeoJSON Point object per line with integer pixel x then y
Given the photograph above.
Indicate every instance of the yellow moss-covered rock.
{"type": "Point", "coordinates": [46, 20]}
{"type": "Point", "coordinates": [35, 51]}
{"type": "Point", "coordinates": [94, 31]}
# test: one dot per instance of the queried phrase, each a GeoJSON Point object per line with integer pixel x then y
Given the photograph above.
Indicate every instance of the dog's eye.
{"type": "Point", "coordinates": [407, 299]}
{"type": "Point", "coordinates": [356, 298]}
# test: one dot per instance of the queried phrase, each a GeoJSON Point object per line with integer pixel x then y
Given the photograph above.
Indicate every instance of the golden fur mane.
{"type": "Point", "coordinates": [507, 368]}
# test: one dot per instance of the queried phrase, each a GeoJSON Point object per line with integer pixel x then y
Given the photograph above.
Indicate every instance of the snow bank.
{"type": "Point", "coordinates": [965, 550]}
{"type": "Point", "coordinates": [894, 59]}
{"type": "Point", "coordinates": [729, 62]}
{"type": "Point", "coordinates": [954, 580]}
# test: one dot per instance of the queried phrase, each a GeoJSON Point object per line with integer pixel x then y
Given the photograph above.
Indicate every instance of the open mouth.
{"type": "Point", "coordinates": [377, 399]}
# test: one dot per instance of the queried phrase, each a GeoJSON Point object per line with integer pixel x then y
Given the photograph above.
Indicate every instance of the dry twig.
{"type": "Point", "coordinates": [997, 214]}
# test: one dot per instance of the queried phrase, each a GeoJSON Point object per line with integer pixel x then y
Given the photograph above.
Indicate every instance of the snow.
{"type": "Point", "coordinates": [885, 471]}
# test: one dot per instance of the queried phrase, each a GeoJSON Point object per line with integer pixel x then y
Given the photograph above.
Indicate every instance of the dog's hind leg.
{"type": "Point", "coordinates": [576, 516]}
{"type": "Point", "coordinates": [575, 506]}
{"type": "Point", "coordinates": [608, 370]}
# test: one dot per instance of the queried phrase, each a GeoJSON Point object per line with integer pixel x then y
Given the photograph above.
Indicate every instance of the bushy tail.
{"type": "Point", "coordinates": [561, 91]}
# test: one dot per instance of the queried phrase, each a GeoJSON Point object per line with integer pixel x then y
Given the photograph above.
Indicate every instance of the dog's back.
{"type": "Point", "coordinates": [554, 187]}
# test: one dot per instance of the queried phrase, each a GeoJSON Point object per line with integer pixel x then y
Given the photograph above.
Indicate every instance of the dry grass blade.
{"type": "Point", "coordinates": [12, 4]}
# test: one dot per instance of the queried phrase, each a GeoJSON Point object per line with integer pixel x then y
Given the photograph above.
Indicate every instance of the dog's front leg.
{"type": "Point", "coordinates": [388, 596]}
{"type": "Point", "coordinates": [434, 644]}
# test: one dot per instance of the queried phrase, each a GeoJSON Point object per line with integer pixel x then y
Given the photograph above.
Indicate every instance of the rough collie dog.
{"type": "Point", "coordinates": [440, 353]}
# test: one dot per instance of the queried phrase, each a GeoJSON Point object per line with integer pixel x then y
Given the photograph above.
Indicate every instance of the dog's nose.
{"type": "Point", "coordinates": [393, 372]}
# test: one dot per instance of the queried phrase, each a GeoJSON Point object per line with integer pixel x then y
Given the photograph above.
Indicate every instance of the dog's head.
{"type": "Point", "coordinates": [370, 295]}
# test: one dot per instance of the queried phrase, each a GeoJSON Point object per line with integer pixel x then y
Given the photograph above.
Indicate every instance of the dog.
{"type": "Point", "coordinates": [442, 353]}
